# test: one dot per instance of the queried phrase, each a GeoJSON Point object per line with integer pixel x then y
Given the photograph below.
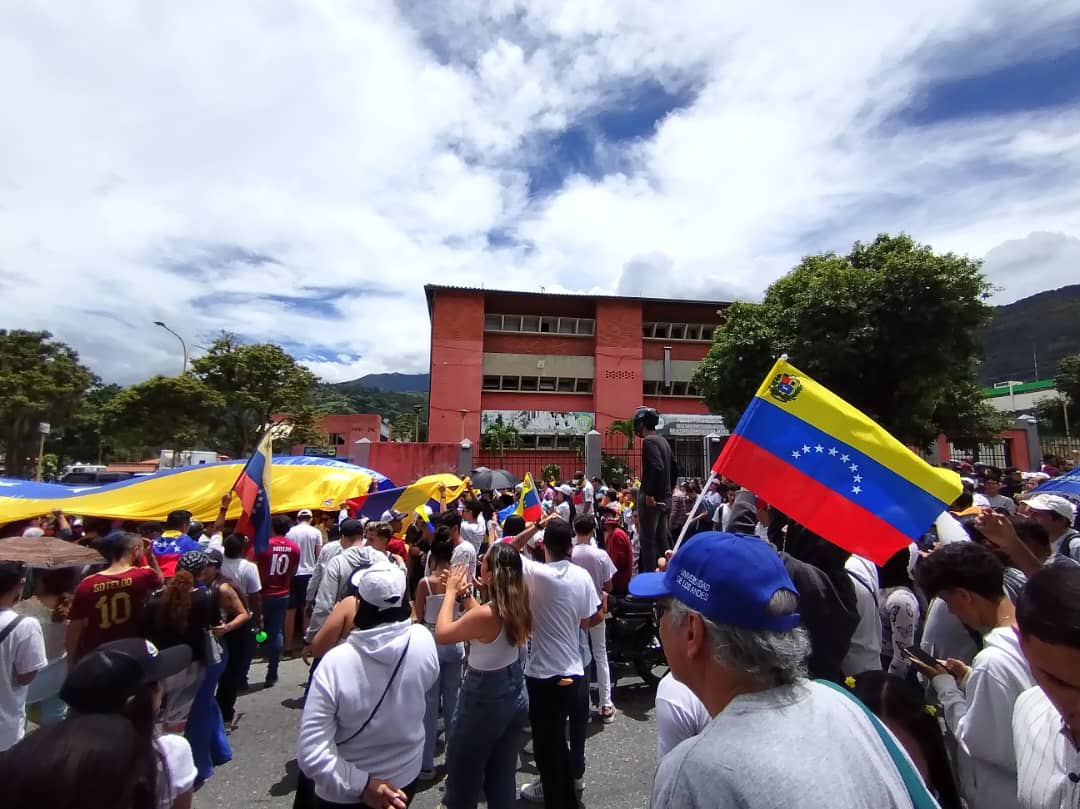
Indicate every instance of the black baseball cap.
{"type": "Point", "coordinates": [214, 557]}
{"type": "Point", "coordinates": [351, 528]}
{"type": "Point", "coordinates": [105, 678]}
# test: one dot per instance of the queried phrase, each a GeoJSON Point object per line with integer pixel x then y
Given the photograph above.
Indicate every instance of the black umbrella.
{"type": "Point", "coordinates": [487, 480]}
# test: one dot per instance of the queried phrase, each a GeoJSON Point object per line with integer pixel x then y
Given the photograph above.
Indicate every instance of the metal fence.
{"type": "Point", "coordinates": [518, 462]}
{"type": "Point", "coordinates": [1059, 447]}
{"type": "Point", "coordinates": [994, 453]}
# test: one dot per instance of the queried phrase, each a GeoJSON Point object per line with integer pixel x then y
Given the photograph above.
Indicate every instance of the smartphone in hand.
{"type": "Point", "coordinates": [915, 653]}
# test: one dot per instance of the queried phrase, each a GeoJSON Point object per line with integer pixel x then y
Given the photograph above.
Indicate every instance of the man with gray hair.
{"type": "Point", "coordinates": [729, 623]}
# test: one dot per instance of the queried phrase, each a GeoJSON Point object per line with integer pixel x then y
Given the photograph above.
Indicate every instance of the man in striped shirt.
{"type": "Point", "coordinates": [1046, 719]}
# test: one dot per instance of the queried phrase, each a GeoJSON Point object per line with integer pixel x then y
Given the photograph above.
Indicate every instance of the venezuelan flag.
{"type": "Point", "coordinates": [528, 504]}
{"type": "Point", "coordinates": [252, 488]}
{"type": "Point", "coordinates": [407, 499]}
{"type": "Point", "coordinates": [298, 482]}
{"type": "Point", "coordinates": [831, 468]}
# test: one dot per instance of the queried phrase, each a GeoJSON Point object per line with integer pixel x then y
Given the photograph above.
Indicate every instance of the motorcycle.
{"type": "Point", "coordinates": [633, 641]}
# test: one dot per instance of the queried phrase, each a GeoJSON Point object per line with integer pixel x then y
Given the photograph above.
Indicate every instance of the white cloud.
{"type": "Point", "coordinates": [369, 148]}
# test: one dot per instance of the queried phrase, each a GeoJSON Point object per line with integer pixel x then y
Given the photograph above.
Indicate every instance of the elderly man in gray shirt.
{"type": "Point", "coordinates": [730, 628]}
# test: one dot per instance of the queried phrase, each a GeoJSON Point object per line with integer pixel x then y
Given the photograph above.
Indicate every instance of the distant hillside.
{"type": "Point", "coordinates": [1046, 326]}
{"type": "Point", "coordinates": [351, 397]}
{"type": "Point", "coordinates": [396, 383]}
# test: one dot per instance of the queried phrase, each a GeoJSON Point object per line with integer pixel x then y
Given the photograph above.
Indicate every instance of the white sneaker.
{"type": "Point", "coordinates": [607, 714]}
{"type": "Point", "coordinates": [533, 793]}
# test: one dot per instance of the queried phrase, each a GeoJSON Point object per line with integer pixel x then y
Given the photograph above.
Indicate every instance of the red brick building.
{"type": "Point", "coordinates": [555, 366]}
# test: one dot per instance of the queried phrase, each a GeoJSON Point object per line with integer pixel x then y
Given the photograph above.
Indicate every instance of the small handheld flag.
{"type": "Point", "coordinates": [528, 503]}
{"type": "Point", "coordinates": [252, 488]}
{"type": "Point", "coordinates": [832, 468]}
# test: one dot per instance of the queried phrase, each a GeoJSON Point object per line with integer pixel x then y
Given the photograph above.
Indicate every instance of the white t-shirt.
{"type": "Point", "coordinates": [464, 554]}
{"type": "Point", "coordinates": [309, 539]}
{"type": "Point", "coordinates": [244, 573]}
{"type": "Point", "coordinates": [563, 510]}
{"type": "Point", "coordinates": [596, 563]}
{"type": "Point", "coordinates": [588, 498]}
{"type": "Point", "coordinates": [978, 716]}
{"type": "Point", "coordinates": [679, 715]}
{"type": "Point", "coordinates": [176, 752]}
{"type": "Point", "coordinates": [1045, 755]}
{"type": "Point", "coordinates": [864, 653]}
{"type": "Point", "coordinates": [22, 652]}
{"type": "Point", "coordinates": [562, 596]}
{"type": "Point", "coordinates": [474, 532]}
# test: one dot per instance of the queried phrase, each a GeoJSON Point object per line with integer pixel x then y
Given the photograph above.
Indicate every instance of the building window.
{"type": "Point", "coordinates": [336, 439]}
{"type": "Point", "coordinates": [678, 332]}
{"type": "Point", "coordinates": [545, 324]}
{"type": "Point", "coordinates": [538, 384]}
{"type": "Point", "coordinates": [551, 442]}
{"type": "Point", "coordinates": [652, 387]}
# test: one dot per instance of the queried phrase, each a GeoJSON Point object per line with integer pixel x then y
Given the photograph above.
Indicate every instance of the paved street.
{"type": "Point", "coordinates": [621, 756]}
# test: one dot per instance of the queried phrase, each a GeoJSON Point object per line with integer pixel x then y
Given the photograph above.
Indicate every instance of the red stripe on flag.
{"type": "Point", "coordinates": [808, 502]}
{"type": "Point", "coordinates": [246, 490]}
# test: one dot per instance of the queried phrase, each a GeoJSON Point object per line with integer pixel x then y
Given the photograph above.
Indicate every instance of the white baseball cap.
{"type": "Point", "coordinates": [382, 585]}
{"type": "Point", "coordinates": [1051, 502]}
{"type": "Point", "coordinates": [304, 512]}
{"type": "Point", "coordinates": [567, 489]}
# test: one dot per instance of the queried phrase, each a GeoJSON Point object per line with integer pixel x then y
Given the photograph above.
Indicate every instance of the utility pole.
{"type": "Point", "coordinates": [43, 430]}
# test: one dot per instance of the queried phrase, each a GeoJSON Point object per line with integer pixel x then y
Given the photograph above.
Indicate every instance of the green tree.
{"type": "Point", "coordinates": [1067, 379]}
{"type": "Point", "coordinates": [892, 327]}
{"type": "Point", "coordinates": [41, 380]}
{"type": "Point", "coordinates": [625, 428]}
{"type": "Point", "coordinates": [499, 438]}
{"type": "Point", "coordinates": [85, 438]}
{"type": "Point", "coordinates": [164, 412]}
{"type": "Point", "coordinates": [551, 471]}
{"type": "Point", "coordinates": [1050, 412]}
{"type": "Point", "coordinates": [256, 383]}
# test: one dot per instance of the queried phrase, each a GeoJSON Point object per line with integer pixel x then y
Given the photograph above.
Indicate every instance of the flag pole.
{"type": "Point", "coordinates": [697, 503]}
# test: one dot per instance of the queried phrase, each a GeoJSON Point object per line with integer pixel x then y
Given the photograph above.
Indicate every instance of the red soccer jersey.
{"type": "Point", "coordinates": [622, 554]}
{"type": "Point", "coordinates": [277, 566]}
{"type": "Point", "coordinates": [112, 605]}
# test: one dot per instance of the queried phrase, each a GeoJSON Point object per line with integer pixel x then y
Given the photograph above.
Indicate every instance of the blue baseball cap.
{"type": "Point", "coordinates": [728, 578]}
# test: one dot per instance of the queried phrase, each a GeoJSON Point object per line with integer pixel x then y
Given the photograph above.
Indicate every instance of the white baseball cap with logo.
{"type": "Point", "coordinates": [1052, 502]}
{"type": "Point", "coordinates": [382, 585]}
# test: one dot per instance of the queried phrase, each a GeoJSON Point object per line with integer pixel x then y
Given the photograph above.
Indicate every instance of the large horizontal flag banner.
{"type": "Point", "coordinates": [407, 499]}
{"type": "Point", "coordinates": [298, 482]}
{"type": "Point", "coordinates": [833, 469]}
{"type": "Point", "coordinates": [1067, 484]}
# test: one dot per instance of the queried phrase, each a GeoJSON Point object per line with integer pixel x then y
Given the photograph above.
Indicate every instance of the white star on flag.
{"type": "Point", "coordinates": [858, 478]}
{"type": "Point", "coordinates": [845, 458]}
{"type": "Point", "coordinates": [806, 449]}
{"type": "Point", "coordinates": [795, 454]}
{"type": "Point", "coordinates": [819, 448]}
{"type": "Point", "coordinates": [854, 467]}
{"type": "Point", "coordinates": [832, 451]}
{"type": "Point", "coordinates": [855, 489]}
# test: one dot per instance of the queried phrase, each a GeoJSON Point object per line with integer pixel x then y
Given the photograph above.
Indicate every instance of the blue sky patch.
{"type": "Point", "coordinates": [1044, 81]}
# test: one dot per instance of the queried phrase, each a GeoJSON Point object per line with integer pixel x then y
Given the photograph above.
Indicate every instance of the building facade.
{"type": "Point", "coordinates": [342, 432]}
{"type": "Point", "coordinates": [556, 366]}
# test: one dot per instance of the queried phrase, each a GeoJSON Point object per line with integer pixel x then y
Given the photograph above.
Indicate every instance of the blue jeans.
{"type": "Point", "coordinates": [205, 731]}
{"type": "Point", "coordinates": [274, 608]}
{"type": "Point", "coordinates": [484, 739]}
{"type": "Point", "coordinates": [447, 686]}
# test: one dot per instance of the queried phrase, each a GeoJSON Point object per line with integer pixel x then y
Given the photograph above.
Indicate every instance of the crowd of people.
{"type": "Point", "coordinates": [948, 675]}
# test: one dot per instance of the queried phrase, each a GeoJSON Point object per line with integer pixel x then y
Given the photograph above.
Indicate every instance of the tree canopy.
{"type": "Point", "coordinates": [892, 327]}
{"type": "Point", "coordinates": [41, 380]}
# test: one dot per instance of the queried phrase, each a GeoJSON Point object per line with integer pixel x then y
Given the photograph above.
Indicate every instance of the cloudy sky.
{"type": "Point", "coordinates": [295, 171]}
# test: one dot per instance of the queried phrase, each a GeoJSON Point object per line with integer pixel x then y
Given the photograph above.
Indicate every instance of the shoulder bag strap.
{"type": "Point", "coordinates": [913, 782]}
{"type": "Point", "coordinates": [7, 630]}
{"type": "Point", "coordinates": [386, 690]}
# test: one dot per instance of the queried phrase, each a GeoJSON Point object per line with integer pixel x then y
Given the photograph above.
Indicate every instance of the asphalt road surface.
{"type": "Point", "coordinates": [621, 756]}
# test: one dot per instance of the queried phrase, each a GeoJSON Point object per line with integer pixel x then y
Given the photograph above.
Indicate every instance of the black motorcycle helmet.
{"type": "Point", "coordinates": [645, 417]}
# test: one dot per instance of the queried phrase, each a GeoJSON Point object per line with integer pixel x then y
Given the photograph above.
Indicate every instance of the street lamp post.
{"type": "Point", "coordinates": [416, 424]}
{"type": "Point", "coordinates": [183, 345]}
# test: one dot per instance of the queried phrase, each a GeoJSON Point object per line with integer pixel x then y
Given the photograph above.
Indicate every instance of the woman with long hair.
{"type": "Point", "coordinates": [123, 678]}
{"type": "Point", "coordinates": [430, 596]}
{"type": "Point", "coordinates": [901, 707]}
{"type": "Point", "coordinates": [485, 734]}
{"type": "Point", "coordinates": [182, 613]}
{"type": "Point", "coordinates": [67, 766]}
{"type": "Point", "coordinates": [49, 606]}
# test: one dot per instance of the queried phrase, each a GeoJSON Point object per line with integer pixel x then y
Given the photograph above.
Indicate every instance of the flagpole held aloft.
{"type": "Point", "coordinates": [693, 511]}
